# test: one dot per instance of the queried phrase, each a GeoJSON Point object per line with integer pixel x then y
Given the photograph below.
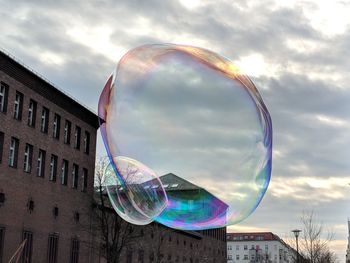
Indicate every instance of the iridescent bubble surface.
{"type": "Point", "coordinates": [134, 197]}
{"type": "Point", "coordinates": [197, 131]}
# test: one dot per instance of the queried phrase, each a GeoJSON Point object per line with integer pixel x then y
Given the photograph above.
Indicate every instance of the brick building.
{"type": "Point", "coordinates": [47, 159]}
{"type": "Point", "coordinates": [156, 243]}
{"type": "Point", "coordinates": [47, 162]}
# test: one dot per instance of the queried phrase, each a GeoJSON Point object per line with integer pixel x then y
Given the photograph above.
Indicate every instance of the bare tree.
{"type": "Point", "coordinates": [114, 234]}
{"type": "Point", "coordinates": [315, 240]}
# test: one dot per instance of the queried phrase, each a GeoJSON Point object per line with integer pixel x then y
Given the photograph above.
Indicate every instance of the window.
{"type": "Point", "coordinates": [237, 257]}
{"type": "Point", "coordinates": [237, 247]}
{"type": "Point", "coordinates": [253, 247]}
{"type": "Point", "coordinates": [245, 247]}
{"type": "Point", "coordinates": [18, 106]}
{"type": "Point", "coordinates": [87, 142]}
{"type": "Point", "coordinates": [56, 126]}
{"type": "Point", "coordinates": [44, 120]}
{"type": "Point", "coordinates": [64, 172]}
{"type": "Point", "coordinates": [229, 257]}
{"type": "Point", "coordinates": [28, 156]}
{"type": "Point", "coordinates": [2, 137]}
{"type": "Point", "coordinates": [77, 134]}
{"type": "Point", "coordinates": [141, 256]}
{"type": "Point", "coordinates": [245, 257]}
{"type": "Point", "coordinates": [32, 113]}
{"type": "Point", "coordinates": [40, 170]}
{"type": "Point", "coordinates": [129, 256]}
{"type": "Point", "coordinates": [84, 180]}
{"type": "Point", "coordinates": [266, 247]}
{"type": "Point", "coordinates": [13, 154]}
{"type": "Point", "coordinates": [75, 176]}
{"type": "Point", "coordinates": [67, 131]}
{"type": "Point", "coordinates": [229, 247]}
{"type": "Point", "coordinates": [3, 97]}
{"type": "Point", "coordinates": [53, 167]}
{"type": "Point", "coordinates": [74, 251]}
{"type": "Point", "coordinates": [151, 256]}
{"type": "Point", "coordinates": [28, 248]}
{"type": "Point", "coordinates": [52, 248]}
{"type": "Point", "coordinates": [2, 241]}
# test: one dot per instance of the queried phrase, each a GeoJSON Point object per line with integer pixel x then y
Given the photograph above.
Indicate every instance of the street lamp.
{"type": "Point", "coordinates": [296, 234]}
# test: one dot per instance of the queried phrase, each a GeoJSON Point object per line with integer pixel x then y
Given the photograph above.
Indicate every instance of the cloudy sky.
{"type": "Point", "coordinates": [295, 51]}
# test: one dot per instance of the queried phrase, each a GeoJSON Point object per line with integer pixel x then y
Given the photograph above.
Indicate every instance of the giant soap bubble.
{"type": "Point", "coordinates": [189, 138]}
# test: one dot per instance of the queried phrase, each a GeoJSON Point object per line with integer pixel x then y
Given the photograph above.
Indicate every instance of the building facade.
{"type": "Point", "coordinates": [348, 248]}
{"type": "Point", "coordinates": [156, 243]}
{"type": "Point", "coordinates": [159, 244]}
{"type": "Point", "coordinates": [47, 160]}
{"type": "Point", "coordinates": [258, 247]}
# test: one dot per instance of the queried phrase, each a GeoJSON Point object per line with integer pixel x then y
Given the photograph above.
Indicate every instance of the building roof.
{"type": "Point", "coordinates": [32, 80]}
{"type": "Point", "coordinates": [171, 181]}
{"type": "Point", "coordinates": [254, 236]}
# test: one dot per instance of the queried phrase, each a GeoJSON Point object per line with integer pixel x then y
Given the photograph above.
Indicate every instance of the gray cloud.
{"type": "Point", "coordinates": [311, 84]}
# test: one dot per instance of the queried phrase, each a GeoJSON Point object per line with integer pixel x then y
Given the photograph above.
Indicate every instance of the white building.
{"type": "Point", "coordinates": [348, 250]}
{"type": "Point", "coordinates": [258, 247]}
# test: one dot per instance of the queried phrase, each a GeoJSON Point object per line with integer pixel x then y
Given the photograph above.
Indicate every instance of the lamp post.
{"type": "Point", "coordinates": [296, 234]}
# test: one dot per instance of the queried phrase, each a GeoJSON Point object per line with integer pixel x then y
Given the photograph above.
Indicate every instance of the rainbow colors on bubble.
{"type": "Point", "coordinates": [189, 138]}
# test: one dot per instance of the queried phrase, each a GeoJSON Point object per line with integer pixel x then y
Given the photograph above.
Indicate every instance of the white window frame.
{"type": "Point", "coordinates": [12, 152]}
{"type": "Point", "coordinates": [75, 174]}
{"type": "Point", "coordinates": [64, 171]}
{"type": "Point", "coordinates": [84, 180]}
{"type": "Point", "coordinates": [27, 155]}
{"type": "Point", "coordinates": [2, 97]}
{"type": "Point", "coordinates": [30, 113]}
{"type": "Point", "coordinates": [16, 106]}
{"type": "Point", "coordinates": [66, 130]}
{"type": "Point", "coordinates": [56, 126]}
{"type": "Point", "coordinates": [76, 141]}
{"type": "Point", "coordinates": [39, 171]}
{"type": "Point", "coordinates": [53, 167]}
{"type": "Point", "coordinates": [44, 116]}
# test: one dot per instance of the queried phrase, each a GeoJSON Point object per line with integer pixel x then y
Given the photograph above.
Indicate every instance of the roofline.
{"type": "Point", "coordinates": [13, 67]}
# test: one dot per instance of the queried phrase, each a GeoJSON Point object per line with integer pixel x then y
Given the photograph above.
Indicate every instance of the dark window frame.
{"type": "Point", "coordinates": [2, 242]}
{"type": "Point", "coordinates": [28, 248]}
{"type": "Point", "coordinates": [52, 248]}
{"type": "Point", "coordinates": [74, 250]}
{"type": "Point", "coordinates": [2, 141]}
